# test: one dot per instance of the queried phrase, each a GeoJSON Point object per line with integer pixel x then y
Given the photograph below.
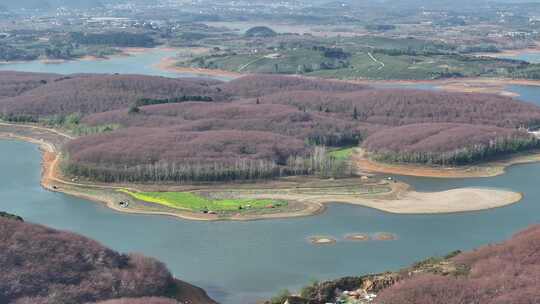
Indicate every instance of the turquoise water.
{"type": "Point", "coordinates": [141, 63]}
{"type": "Point", "coordinates": [412, 86]}
{"type": "Point", "coordinates": [240, 262]}
{"type": "Point", "coordinates": [526, 93]}
{"type": "Point", "coordinates": [532, 57]}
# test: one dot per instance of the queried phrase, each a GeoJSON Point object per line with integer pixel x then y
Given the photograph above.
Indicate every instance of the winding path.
{"type": "Point", "coordinates": [240, 69]}
{"type": "Point", "coordinates": [382, 65]}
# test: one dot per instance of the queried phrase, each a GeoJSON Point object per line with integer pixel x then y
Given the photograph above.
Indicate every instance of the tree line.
{"type": "Point", "coordinates": [319, 162]}
{"type": "Point", "coordinates": [462, 156]}
{"type": "Point", "coordinates": [154, 101]}
{"type": "Point", "coordinates": [120, 39]}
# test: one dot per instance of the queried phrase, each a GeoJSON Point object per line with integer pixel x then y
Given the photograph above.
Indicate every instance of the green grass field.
{"type": "Point", "coordinates": [342, 154]}
{"type": "Point", "coordinates": [194, 202]}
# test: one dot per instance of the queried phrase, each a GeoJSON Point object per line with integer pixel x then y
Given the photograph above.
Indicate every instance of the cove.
{"type": "Point", "coordinates": [241, 262]}
{"type": "Point", "coordinates": [139, 63]}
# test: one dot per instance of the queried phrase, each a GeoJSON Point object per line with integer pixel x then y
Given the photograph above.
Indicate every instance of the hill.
{"type": "Point", "coordinates": [260, 31]}
{"type": "Point", "coordinates": [444, 144]}
{"type": "Point", "coordinates": [98, 93]}
{"type": "Point", "coordinates": [261, 85]}
{"type": "Point", "coordinates": [501, 273]}
{"type": "Point", "coordinates": [16, 83]}
{"type": "Point", "coordinates": [397, 107]}
{"type": "Point", "coordinates": [42, 265]}
{"type": "Point", "coordinates": [135, 128]}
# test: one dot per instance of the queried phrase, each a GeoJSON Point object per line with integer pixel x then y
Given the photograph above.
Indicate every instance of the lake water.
{"type": "Point", "coordinates": [532, 57]}
{"type": "Point", "coordinates": [139, 63]}
{"type": "Point", "coordinates": [241, 262]}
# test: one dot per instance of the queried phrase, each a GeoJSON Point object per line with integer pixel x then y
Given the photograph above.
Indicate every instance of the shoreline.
{"type": "Point", "coordinates": [478, 85]}
{"type": "Point", "coordinates": [168, 64]}
{"type": "Point", "coordinates": [485, 85]}
{"type": "Point", "coordinates": [489, 169]}
{"type": "Point", "coordinates": [50, 180]}
{"type": "Point", "coordinates": [398, 198]}
{"type": "Point", "coordinates": [409, 202]}
{"type": "Point", "coordinates": [510, 53]}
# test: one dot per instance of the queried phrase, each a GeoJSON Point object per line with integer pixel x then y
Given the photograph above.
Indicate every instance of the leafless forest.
{"type": "Point", "coordinates": [502, 273]}
{"type": "Point", "coordinates": [41, 265]}
{"type": "Point", "coordinates": [259, 126]}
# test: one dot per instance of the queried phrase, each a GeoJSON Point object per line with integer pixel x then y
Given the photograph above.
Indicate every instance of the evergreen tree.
{"type": "Point", "coordinates": [134, 109]}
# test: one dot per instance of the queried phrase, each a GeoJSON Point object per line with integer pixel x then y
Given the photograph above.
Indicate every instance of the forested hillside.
{"type": "Point", "coordinates": [444, 143]}
{"type": "Point", "coordinates": [98, 93]}
{"type": "Point", "coordinates": [141, 128]}
{"type": "Point", "coordinates": [41, 265]}
{"type": "Point", "coordinates": [501, 273]}
{"type": "Point", "coordinates": [16, 83]}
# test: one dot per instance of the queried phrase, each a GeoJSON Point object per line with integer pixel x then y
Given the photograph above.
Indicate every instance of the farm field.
{"type": "Point", "coordinates": [367, 57]}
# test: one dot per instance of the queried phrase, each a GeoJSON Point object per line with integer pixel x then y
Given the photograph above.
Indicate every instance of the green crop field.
{"type": "Point", "coordinates": [194, 202]}
{"type": "Point", "coordinates": [369, 58]}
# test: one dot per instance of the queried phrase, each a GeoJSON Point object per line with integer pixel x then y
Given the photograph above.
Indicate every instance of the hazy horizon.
{"type": "Point", "coordinates": [52, 4]}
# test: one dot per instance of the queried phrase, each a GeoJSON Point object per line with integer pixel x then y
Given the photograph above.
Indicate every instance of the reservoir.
{"type": "Point", "coordinates": [241, 262]}
{"type": "Point", "coordinates": [139, 63]}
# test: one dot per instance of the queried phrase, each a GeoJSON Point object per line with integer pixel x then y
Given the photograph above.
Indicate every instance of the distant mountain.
{"type": "Point", "coordinates": [50, 4]}
{"type": "Point", "coordinates": [430, 4]}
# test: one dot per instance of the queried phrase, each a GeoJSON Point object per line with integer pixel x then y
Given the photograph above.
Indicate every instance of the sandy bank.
{"type": "Point", "coordinates": [463, 85]}
{"type": "Point", "coordinates": [169, 64]}
{"type": "Point", "coordinates": [511, 53]}
{"type": "Point", "coordinates": [412, 202]}
{"type": "Point", "coordinates": [451, 201]}
{"type": "Point", "coordinates": [488, 169]}
{"type": "Point", "coordinates": [486, 85]}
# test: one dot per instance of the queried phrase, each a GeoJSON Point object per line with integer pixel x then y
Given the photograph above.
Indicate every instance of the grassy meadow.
{"type": "Point", "coordinates": [195, 202]}
{"type": "Point", "coordinates": [342, 154]}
